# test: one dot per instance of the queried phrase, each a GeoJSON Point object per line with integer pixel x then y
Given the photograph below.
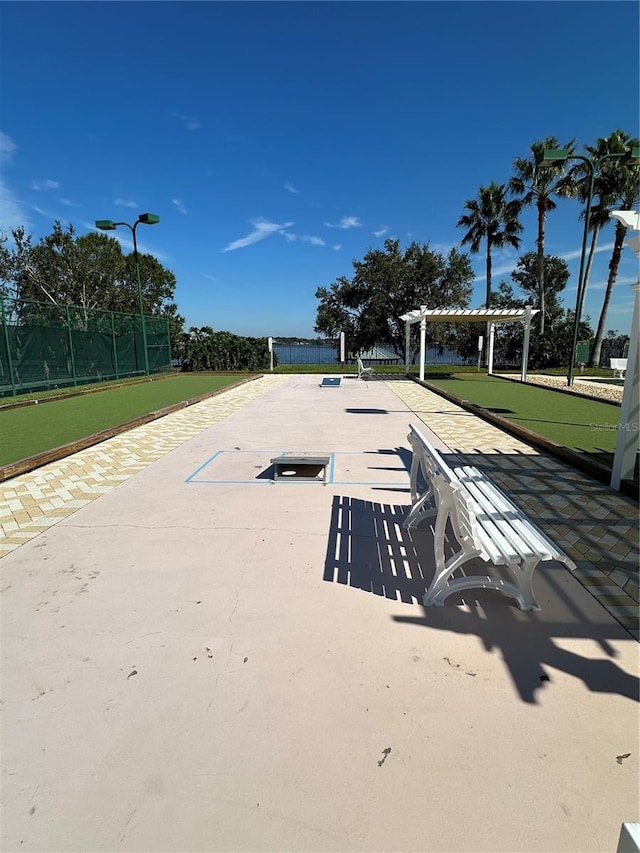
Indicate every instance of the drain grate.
{"type": "Point", "coordinates": [300, 468]}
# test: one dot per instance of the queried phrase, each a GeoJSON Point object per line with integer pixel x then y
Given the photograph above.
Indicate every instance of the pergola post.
{"type": "Point", "coordinates": [407, 346]}
{"type": "Point", "coordinates": [423, 337]}
{"type": "Point", "coordinates": [492, 331]}
{"type": "Point", "coordinates": [525, 346]}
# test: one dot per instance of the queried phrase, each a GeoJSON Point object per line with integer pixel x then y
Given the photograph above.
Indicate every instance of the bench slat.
{"type": "Point", "coordinates": [516, 529]}
{"type": "Point", "coordinates": [538, 540]}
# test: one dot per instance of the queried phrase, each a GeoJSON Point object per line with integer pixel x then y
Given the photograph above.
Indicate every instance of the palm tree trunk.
{"type": "Point", "coordinates": [488, 300]}
{"type": "Point", "coordinates": [540, 242]}
{"type": "Point", "coordinates": [587, 274]}
{"type": "Point", "coordinates": [485, 360]}
{"type": "Point", "coordinates": [614, 263]}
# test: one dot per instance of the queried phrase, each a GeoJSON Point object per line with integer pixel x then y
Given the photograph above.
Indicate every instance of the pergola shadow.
{"type": "Point", "coordinates": [369, 550]}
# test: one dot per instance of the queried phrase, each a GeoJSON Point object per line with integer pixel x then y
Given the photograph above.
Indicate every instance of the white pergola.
{"type": "Point", "coordinates": [627, 442]}
{"type": "Point", "coordinates": [490, 316]}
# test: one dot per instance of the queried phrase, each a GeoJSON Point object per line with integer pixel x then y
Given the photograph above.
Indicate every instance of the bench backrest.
{"type": "Point", "coordinates": [427, 457]}
{"type": "Point", "coordinates": [618, 363]}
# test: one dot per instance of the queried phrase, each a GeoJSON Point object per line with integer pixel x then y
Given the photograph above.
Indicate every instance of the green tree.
{"type": "Point", "coordinates": [89, 271]}
{"type": "Point", "coordinates": [387, 284]}
{"type": "Point", "coordinates": [545, 350]}
{"type": "Point", "coordinates": [556, 276]}
{"type": "Point", "coordinates": [535, 187]}
{"type": "Point", "coordinates": [492, 218]}
{"type": "Point", "coordinates": [176, 329]}
{"type": "Point", "coordinates": [209, 350]}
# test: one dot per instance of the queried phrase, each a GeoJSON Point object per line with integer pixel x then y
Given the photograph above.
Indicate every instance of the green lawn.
{"type": "Point", "coordinates": [36, 428]}
{"type": "Point", "coordinates": [586, 426]}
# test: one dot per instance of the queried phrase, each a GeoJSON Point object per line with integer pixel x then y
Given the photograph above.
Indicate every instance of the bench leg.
{"type": "Point", "coordinates": [437, 593]}
{"type": "Point", "coordinates": [420, 510]}
{"type": "Point", "coordinates": [443, 584]}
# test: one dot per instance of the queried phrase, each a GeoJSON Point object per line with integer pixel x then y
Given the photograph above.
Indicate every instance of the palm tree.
{"type": "Point", "coordinates": [617, 186]}
{"type": "Point", "coordinates": [535, 187]}
{"type": "Point", "coordinates": [493, 218]}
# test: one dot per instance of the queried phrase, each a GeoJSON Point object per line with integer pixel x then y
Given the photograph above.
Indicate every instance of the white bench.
{"type": "Point", "coordinates": [364, 372]}
{"type": "Point", "coordinates": [485, 524]}
{"type": "Point", "coordinates": [619, 365]}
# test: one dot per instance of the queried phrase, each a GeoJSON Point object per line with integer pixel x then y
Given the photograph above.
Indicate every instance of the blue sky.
{"type": "Point", "coordinates": [280, 141]}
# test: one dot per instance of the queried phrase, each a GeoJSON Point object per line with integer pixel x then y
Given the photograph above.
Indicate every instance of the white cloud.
{"type": "Point", "coordinates": [337, 247]}
{"type": "Point", "coordinates": [40, 210]}
{"type": "Point", "coordinates": [575, 253]}
{"type": "Point", "coordinates": [7, 148]}
{"type": "Point", "coordinates": [67, 202]}
{"type": "Point", "coordinates": [12, 214]}
{"type": "Point", "coordinates": [178, 203]}
{"type": "Point", "coordinates": [44, 185]}
{"type": "Point", "coordinates": [123, 202]}
{"type": "Point", "coordinates": [572, 255]}
{"type": "Point", "coordinates": [382, 230]}
{"type": "Point", "coordinates": [262, 229]}
{"type": "Point", "coordinates": [443, 248]}
{"type": "Point", "coordinates": [291, 188]}
{"type": "Point", "coordinates": [190, 122]}
{"type": "Point", "coordinates": [346, 222]}
{"type": "Point", "coordinates": [290, 237]}
{"type": "Point", "coordinates": [210, 277]}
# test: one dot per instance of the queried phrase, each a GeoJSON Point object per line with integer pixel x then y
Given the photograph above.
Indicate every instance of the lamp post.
{"type": "Point", "coordinates": [110, 225]}
{"type": "Point", "coordinates": [552, 157]}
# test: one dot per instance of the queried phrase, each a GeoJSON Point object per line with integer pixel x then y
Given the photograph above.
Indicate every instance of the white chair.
{"type": "Point", "coordinates": [364, 372]}
{"type": "Point", "coordinates": [619, 365]}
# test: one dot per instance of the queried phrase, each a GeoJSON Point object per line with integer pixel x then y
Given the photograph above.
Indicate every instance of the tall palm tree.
{"type": "Point", "coordinates": [491, 217]}
{"type": "Point", "coordinates": [535, 187]}
{"type": "Point", "coordinates": [617, 186]}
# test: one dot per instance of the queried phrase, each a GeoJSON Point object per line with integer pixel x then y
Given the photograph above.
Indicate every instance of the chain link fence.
{"type": "Point", "coordinates": [52, 346]}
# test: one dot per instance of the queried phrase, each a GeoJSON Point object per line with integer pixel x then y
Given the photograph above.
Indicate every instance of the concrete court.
{"type": "Point", "coordinates": [201, 660]}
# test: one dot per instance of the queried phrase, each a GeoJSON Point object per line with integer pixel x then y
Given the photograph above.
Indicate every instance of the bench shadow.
{"type": "Point", "coordinates": [369, 550]}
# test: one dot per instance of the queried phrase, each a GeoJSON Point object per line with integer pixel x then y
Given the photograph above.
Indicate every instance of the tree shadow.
{"type": "Point", "coordinates": [368, 549]}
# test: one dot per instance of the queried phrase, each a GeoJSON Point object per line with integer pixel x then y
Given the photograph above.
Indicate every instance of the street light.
{"type": "Point", "coordinates": [110, 225]}
{"type": "Point", "coordinates": [552, 157]}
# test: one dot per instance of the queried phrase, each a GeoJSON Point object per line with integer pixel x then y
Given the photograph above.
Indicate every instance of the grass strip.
{"type": "Point", "coordinates": [35, 429]}
{"type": "Point", "coordinates": [585, 426]}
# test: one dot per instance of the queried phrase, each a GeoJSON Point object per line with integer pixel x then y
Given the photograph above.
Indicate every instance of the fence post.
{"type": "Point", "coordinates": [115, 348]}
{"type": "Point", "coordinates": [71, 352]}
{"type": "Point", "coordinates": [6, 341]}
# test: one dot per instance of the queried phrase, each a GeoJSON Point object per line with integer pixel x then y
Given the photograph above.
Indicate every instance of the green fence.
{"type": "Point", "coordinates": [52, 346]}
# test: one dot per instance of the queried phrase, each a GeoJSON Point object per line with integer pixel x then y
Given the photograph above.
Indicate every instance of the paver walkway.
{"type": "Point", "coordinates": [596, 526]}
